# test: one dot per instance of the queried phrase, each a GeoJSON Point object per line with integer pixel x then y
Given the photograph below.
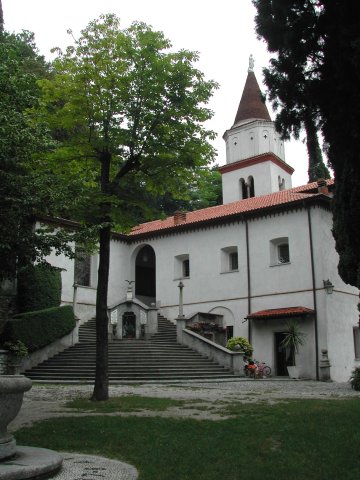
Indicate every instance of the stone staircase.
{"type": "Point", "coordinates": [159, 359]}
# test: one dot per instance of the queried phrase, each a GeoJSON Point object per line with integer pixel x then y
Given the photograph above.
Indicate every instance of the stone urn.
{"type": "Point", "coordinates": [12, 389]}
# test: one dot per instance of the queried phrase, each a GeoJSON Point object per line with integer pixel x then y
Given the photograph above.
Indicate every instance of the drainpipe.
{"type": "Point", "coordinates": [314, 294]}
{"type": "Point", "coordinates": [248, 277]}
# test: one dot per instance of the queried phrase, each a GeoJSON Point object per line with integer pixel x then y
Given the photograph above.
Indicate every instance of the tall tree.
{"type": "Point", "coordinates": [129, 112]}
{"type": "Point", "coordinates": [294, 70]}
{"type": "Point", "coordinates": [1, 18]}
{"type": "Point", "coordinates": [24, 190]}
{"type": "Point", "coordinates": [320, 40]}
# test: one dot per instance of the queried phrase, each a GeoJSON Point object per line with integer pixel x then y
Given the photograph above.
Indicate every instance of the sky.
{"type": "Point", "coordinates": [222, 32]}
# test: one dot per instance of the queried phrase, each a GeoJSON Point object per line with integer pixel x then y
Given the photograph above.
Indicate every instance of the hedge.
{"type": "Point", "coordinates": [38, 329]}
{"type": "Point", "coordinates": [39, 287]}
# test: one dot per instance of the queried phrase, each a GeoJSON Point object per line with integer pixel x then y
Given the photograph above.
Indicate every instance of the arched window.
{"type": "Point", "coordinates": [281, 183]}
{"type": "Point", "coordinates": [251, 187]}
{"type": "Point", "coordinates": [145, 273]}
{"type": "Point", "coordinates": [243, 189]}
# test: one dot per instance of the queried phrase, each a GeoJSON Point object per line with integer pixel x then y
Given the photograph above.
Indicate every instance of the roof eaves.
{"type": "Point", "coordinates": [236, 216]}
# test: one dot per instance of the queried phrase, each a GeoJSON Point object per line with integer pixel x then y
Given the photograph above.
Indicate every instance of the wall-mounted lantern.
{"type": "Point", "coordinates": [329, 287]}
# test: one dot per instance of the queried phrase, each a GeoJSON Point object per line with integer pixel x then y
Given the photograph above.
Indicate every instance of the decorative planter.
{"type": "Point", "coordinates": [12, 388]}
{"type": "Point", "coordinates": [293, 372]}
{"type": "Point", "coordinates": [13, 365]}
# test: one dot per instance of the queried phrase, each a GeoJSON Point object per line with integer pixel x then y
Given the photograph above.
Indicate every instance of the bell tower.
{"type": "Point", "coordinates": [255, 157]}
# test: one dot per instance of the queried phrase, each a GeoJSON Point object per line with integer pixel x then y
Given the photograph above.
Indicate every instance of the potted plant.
{"type": "Point", "coordinates": [293, 339]}
{"type": "Point", "coordinates": [17, 351]}
{"type": "Point", "coordinates": [240, 344]}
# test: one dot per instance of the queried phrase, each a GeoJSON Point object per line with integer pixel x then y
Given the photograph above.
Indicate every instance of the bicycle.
{"type": "Point", "coordinates": [263, 370]}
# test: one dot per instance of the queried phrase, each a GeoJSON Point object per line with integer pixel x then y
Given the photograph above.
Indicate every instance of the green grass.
{"type": "Point", "coordinates": [297, 440]}
{"type": "Point", "coordinates": [125, 403]}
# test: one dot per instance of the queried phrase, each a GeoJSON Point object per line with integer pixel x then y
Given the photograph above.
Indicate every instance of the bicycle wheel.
{"type": "Point", "coordinates": [266, 371]}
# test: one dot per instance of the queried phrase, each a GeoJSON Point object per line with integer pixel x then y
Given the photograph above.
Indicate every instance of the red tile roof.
{"type": "Point", "coordinates": [281, 313]}
{"type": "Point", "coordinates": [249, 205]}
{"type": "Point", "coordinates": [312, 186]}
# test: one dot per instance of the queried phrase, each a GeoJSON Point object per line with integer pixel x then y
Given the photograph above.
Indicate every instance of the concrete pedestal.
{"type": "Point", "coordinates": [30, 462]}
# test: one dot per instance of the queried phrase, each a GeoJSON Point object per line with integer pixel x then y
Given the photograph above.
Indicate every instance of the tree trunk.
{"type": "Point", "coordinates": [101, 386]}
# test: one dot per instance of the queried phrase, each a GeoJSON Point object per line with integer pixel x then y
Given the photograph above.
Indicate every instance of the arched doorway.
{"type": "Point", "coordinates": [145, 275]}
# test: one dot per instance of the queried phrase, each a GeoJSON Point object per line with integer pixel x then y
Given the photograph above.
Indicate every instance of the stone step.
{"type": "Point", "coordinates": [159, 358]}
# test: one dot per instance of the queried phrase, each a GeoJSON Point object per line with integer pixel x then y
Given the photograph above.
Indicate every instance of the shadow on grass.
{"type": "Point", "coordinates": [298, 440]}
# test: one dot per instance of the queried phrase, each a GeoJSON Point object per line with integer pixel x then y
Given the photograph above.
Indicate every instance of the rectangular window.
{"type": "Point", "coordinates": [233, 261]}
{"type": "Point", "coordinates": [182, 266]}
{"type": "Point", "coordinates": [186, 268]}
{"type": "Point", "coordinates": [229, 259]}
{"type": "Point", "coordinates": [279, 251]}
{"type": "Point", "coordinates": [283, 253]}
{"type": "Point", "coordinates": [82, 267]}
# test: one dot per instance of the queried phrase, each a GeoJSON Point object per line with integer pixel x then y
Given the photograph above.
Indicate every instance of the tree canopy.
{"type": "Point", "coordinates": [128, 114]}
{"type": "Point", "coordinates": [314, 80]}
{"type": "Point", "coordinates": [292, 74]}
{"type": "Point", "coordinates": [24, 190]}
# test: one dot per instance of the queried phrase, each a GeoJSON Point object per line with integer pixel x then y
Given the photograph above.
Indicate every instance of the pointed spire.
{"type": "Point", "coordinates": [251, 104]}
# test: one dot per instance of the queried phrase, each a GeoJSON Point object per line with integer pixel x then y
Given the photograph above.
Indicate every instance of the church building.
{"type": "Point", "coordinates": [263, 257]}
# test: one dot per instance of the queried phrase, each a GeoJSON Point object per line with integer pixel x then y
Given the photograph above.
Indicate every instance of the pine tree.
{"type": "Point", "coordinates": [315, 81]}
{"type": "Point", "coordinates": [293, 74]}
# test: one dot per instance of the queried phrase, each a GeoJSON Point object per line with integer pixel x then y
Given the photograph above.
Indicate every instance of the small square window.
{"type": "Point", "coordinates": [279, 251]}
{"type": "Point", "coordinates": [229, 259]}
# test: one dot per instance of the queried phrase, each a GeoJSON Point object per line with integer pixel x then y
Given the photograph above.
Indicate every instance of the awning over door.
{"type": "Point", "coordinates": [288, 312]}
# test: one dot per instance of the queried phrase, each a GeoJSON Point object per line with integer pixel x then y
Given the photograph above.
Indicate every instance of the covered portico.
{"type": "Point", "coordinates": [268, 329]}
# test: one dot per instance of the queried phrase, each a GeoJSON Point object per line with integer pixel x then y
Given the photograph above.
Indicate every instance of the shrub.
{"type": "Point", "coordinates": [39, 287]}
{"type": "Point", "coordinates": [355, 379]}
{"type": "Point", "coordinates": [18, 349]}
{"type": "Point", "coordinates": [245, 346]}
{"type": "Point", "coordinates": [38, 329]}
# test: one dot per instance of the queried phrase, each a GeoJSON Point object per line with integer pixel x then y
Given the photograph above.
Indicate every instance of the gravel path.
{"type": "Point", "coordinates": [205, 399]}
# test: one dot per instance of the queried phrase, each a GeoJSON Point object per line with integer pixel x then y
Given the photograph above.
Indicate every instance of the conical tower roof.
{"type": "Point", "coordinates": [251, 104]}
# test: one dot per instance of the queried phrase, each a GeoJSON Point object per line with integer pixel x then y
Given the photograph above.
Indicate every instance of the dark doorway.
{"type": "Point", "coordinates": [280, 355]}
{"type": "Point", "coordinates": [145, 278]}
{"type": "Point", "coordinates": [129, 325]}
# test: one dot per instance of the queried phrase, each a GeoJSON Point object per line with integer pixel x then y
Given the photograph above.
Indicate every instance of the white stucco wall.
{"type": "Point", "coordinates": [207, 286]}
{"type": "Point", "coordinates": [119, 271]}
{"type": "Point", "coordinates": [266, 180]}
{"type": "Point", "coordinates": [252, 138]}
{"type": "Point", "coordinates": [337, 312]}
{"type": "Point", "coordinates": [211, 289]}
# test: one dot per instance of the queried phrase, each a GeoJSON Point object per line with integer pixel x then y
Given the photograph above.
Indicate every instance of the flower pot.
{"type": "Point", "coordinates": [12, 388]}
{"type": "Point", "coordinates": [293, 372]}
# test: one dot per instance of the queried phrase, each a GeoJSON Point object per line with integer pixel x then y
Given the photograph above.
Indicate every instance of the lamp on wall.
{"type": "Point", "coordinates": [329, 287]}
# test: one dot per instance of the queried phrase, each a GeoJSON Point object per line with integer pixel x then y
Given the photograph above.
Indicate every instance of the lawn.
{"type": "Point", "coordinates": [298, 440]}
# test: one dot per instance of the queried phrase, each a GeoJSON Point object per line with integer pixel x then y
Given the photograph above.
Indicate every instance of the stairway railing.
{"type": "Point", "coordinates": [227, 358]}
